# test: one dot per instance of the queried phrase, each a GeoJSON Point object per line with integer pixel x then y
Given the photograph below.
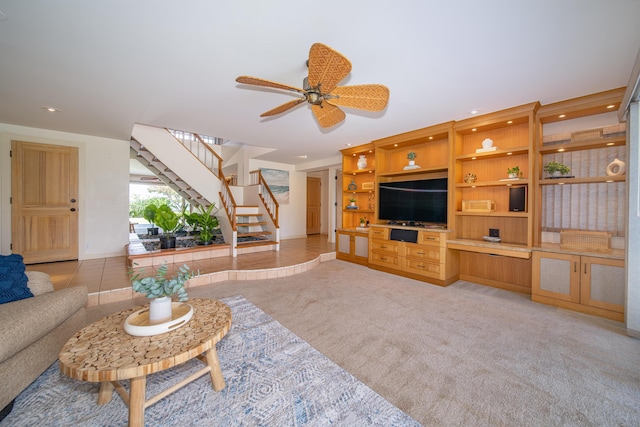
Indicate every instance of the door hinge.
{"type": "Point", "coordinates": [10, 245]}
{"type": "Point", "coordinates": [10, 153]}
{"type": "Point", "coordinates": [10, 200]}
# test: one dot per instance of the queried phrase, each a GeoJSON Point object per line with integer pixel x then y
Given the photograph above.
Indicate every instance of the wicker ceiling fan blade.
{"type": "Point", "coordinates": [371, 97]}
{"type": "Point", "coordinates": [327, 67]}
{"type": "Point", "coordinates": [267, 83]}
{"type": "Point", "coordinates": [282, 108]}
{"type": "Point", "coordinates": [328, 115]}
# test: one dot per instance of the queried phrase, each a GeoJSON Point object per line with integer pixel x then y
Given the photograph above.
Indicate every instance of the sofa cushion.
{"type": "Point", "coordinates": [13, 280]}
{"type": "Point", "coordinates": [39, 283]}
{"type": "Point", "coordinates": [25, 321]}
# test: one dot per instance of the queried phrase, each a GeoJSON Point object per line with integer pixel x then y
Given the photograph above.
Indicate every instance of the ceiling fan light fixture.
{"type": "Point", "coordinates": [327, 68]}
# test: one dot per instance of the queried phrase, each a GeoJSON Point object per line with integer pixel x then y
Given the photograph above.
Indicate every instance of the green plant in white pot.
{"type": "Point", "coordinates": [160, 288]}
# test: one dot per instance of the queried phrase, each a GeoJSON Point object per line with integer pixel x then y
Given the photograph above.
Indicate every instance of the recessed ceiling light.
{"type": "Point", "coordinates": [611, 143]}
{"type": "Point", "coordinates": [51, 109]}
{"type": "Point", "coordinates": [474, 129]}
{"type": "Point", "coordinates": [395, 145]}
{"type": "Point", "coordinates": [474, 111]}
{"type": "Point", "coordinates": [348, 145]}
{"type": "Point", "coordinates": [304, 156]}
{"type": "Point", "coordinates": [562, 116]}
{"type": "Point", "coordinates": [430, 137]}
{"type": "Point", "coordinates": [560, 150]}
{"type": "Point", "coordinates": [510, 122]}
{"type": "Point", "coordinates": [611, 106]}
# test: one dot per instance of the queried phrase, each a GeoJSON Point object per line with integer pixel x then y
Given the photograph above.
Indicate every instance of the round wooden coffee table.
{"type": "Point", "coordinates": [103, 352]}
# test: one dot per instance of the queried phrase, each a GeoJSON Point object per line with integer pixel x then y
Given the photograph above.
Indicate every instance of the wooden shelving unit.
{"type": "Point", "coordinates": [585, 281]}
{"type": "Point", "coordinates": [364, 182]}
{"type": "Point", "coordinates": [431, 146]}
{"type": "Point", "coordinates": [512, 134]}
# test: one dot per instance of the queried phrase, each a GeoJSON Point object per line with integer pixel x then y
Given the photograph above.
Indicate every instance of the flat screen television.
{"type": "Point", "coordinates": [421, 201]}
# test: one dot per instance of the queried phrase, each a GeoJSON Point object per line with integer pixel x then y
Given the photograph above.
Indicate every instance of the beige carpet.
{"type": "Point", "coordinates": [461, 355]}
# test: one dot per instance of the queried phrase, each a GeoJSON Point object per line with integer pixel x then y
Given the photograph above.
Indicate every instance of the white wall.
{"type": "Point", "coordinates": [293, 217]}
{"type": "Point", "coordinates": [103, 199]}
{"type": "Point", "coordinates": [632, 309]}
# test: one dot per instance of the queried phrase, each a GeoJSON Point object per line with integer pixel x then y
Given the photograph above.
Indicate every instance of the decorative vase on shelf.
{"type": "Point", "coordinates": [160, 310]}
{"type": "Point", "coordinates": [352, 185]}
{"type": "Point", "coordinates": [362, 162]}
{"type": "Point", "coordinates": [412, 162]}
{"type": "Point", "coordinates": [617, 167]}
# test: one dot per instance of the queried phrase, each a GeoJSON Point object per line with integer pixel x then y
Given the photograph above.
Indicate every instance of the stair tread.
{"type": "Point", "coordinates": [254, 233]}
{"type": "Point", "coordinates": [250, 224]}
{"type": "Point", "coordinates": [256, 243]}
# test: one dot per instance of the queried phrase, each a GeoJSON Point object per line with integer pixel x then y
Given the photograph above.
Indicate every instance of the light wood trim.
{"type": "Point", "coordinates": [581, 308]}
{"type": "Point", "coordinates": [589, 180]}
{"type": "Point", "coordinates": [582, 106]}
{"type": "Point", "coordinates": [583, 145]}
{"type": "Point", "coordinates": [492, 249]}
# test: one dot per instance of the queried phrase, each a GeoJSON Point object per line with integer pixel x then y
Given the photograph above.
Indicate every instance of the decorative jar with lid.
{"type": "Point", "coordinates": [362, 162]}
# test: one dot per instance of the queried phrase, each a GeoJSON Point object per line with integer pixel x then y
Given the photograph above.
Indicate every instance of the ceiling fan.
{"type": "Point", "coordinates": [327, 68]}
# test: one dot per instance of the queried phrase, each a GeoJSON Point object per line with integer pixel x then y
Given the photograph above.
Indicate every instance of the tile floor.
{"type": "Point", "coordinates": [107, 279]}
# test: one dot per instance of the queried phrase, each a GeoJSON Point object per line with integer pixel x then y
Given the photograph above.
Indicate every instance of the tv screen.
{"type": "Point", "coordinates": [423, 201]}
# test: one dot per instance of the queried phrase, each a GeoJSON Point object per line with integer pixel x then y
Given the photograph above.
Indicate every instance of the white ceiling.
{"type": "Point", "coordinates": [109, 64]}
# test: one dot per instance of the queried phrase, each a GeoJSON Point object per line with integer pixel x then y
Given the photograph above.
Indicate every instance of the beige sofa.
{"type": "Point", "coordinates": [33, 331]}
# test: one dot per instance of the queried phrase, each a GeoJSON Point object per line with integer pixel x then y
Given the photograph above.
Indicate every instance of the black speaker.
{"type": "Point", "coordinates": [518, 199]}
{"type": "Point", "coordinates": [404, 235]}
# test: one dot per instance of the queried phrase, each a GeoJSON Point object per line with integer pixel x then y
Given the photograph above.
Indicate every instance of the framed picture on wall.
{"type": "Point", "coordinates": [278, 181]}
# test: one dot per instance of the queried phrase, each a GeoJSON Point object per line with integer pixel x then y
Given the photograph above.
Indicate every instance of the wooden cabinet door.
{"type": "Point", "coordinates": [602, 283]}
{"type": "Point", "coordinates": [44, 210]}
{"type": "Point", "coordinates": [556, 276]}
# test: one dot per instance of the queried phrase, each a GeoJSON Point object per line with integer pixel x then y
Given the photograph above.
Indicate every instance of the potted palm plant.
{"type": "Point", "coordinates": [207, 223]}
{"type": "Point", "coordinates": [160, 288]}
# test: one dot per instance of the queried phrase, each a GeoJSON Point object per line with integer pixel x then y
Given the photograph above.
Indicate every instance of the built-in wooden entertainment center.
{"type": "Point", "coordinates": [527, 210]}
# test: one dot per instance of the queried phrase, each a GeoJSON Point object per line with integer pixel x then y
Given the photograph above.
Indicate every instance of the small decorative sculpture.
{"type": "Point", "coordinates": [617, 167]}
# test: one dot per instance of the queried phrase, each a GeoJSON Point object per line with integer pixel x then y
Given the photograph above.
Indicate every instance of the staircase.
{"type": "Point", "coordinates": [165, 174]}
{"type": "Point", "coordinates": [252, 234]}
{"type": "Point", "coordinates": [250, 225]}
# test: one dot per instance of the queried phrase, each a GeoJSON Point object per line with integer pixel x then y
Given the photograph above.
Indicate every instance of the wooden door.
{"type": "Point", "coordinates": [313, 205]}
{"type": "Point", "coordinates": [44, 210]}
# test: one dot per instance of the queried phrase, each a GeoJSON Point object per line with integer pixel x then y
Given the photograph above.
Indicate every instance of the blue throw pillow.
{"type": "Point", "coordinates": [13, 280]}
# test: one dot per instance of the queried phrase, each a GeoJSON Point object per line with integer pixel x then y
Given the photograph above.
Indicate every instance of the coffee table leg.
{"type": "Point", "coordinates": [216, 372]}
{"type": "Point", "coordinates": [136, 401]}
{"type": "Point", "coordinates": [106, 392]}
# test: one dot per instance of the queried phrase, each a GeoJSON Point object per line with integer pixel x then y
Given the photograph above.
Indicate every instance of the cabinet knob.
{"type": "Point", "coordinates": [73, 209]}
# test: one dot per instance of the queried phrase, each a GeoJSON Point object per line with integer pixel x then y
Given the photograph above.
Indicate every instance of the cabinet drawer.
{"type": "Point", "coordinates": [429, 238]}
{"type": "Point", "coordinates": [423, 267]}
{"type": "Point", "coordinates": [386, 246]}
{"type": "Point", "coordinates": [379, 233]}
{"type": "Point", "coordinates": [424, 252]}
{"type": "Point", "coordinates": [385, 259]}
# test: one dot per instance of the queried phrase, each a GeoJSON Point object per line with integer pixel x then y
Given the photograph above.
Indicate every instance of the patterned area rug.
{"type": "Point", "coordinates": [273, 378]}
